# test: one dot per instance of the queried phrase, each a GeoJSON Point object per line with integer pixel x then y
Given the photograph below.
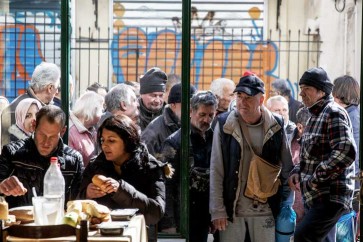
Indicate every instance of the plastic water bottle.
{"type": "Point", "coordinates": [285, 224]}
{"type": "Point", "coordinates": [54, 189]}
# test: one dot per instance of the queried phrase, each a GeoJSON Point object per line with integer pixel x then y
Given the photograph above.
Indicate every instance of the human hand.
{"type": "Point", "coordinates": [94, 191]}
{"type": "Point", "coordinates": [294, 182]}
{"type": "Point", "coordinates": [220, 224]}
{"type": "Point", "coordinates": [11, 186]}
{"type": "Point", "coordinates": [110, 185]}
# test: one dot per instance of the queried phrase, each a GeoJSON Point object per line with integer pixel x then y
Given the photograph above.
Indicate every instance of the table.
{"type": "Point", "coordinates": [135, 232]}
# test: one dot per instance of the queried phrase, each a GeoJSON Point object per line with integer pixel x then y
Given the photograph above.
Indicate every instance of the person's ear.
{"type": "Point", "coordinates": [123, 106]}
{"type": "Point", "coordinates": [63, 131]}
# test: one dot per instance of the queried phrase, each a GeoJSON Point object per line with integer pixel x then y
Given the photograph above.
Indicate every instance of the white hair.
{"type": "Point", "coordinates": [276, 98]}
{"type": "Point", "coordinates": [119, 93]}
{"type": "Point", "coordinates": [88, 105]}
{"type": "Point", "coordinates": [217, 85]}
{"type": "Point", "coordinates": [44, 74]}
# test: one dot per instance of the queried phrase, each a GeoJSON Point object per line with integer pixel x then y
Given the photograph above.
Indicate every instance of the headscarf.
{"type": "Point", "coordinates": [22, 109]}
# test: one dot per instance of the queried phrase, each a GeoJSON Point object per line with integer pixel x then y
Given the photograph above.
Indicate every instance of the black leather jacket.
{"type": "Point", "coordinates": [22, 159]}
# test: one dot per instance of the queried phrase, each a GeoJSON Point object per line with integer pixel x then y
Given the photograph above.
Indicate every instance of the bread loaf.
{"type": "Point", "coordinates": [99, 180]}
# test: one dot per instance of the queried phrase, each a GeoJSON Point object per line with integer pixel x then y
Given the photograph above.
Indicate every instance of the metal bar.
{"type": "Point", "coordinates": [288, 55]}
{"type": "Point", "coordinates": [89, 57]}
{"type": "Point", "coordinates": [308, 53]}
{"type": "Point", "coordinates": [98, 53]}
{"type": "Point", "coordinates": [185, 125]}
{"type": "Point", "coordinates": [65, 63]}
{"type": "Point", "coordinates": [298, 61]}
{"type": "Point", "coordinates": [79, 62]}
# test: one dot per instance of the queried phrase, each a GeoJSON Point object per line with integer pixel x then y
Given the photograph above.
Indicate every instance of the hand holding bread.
{"type": "Point", "coordinates": [106, 184]}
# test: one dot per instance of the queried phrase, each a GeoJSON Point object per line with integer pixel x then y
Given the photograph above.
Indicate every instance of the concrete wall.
{"type": "Point", "coordinates": [340, 32]}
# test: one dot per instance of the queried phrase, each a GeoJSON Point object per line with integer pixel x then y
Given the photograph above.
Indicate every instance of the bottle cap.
{"type": "Point", "coordinates": [53, 160]}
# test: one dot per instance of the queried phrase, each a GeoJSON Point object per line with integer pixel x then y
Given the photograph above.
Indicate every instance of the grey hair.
{"type": "Point", "coordinates": [277, 98]}
{"type": "Point", "coordinates": [217, 85]}
{"type": "Point", "coordinates": [119, 93]}
{"type": "Point", "coordinates": [88, 106]}
{"type": "Point", "coordinates": [44, 74]}
{"type": "Point", "coordinates": [203, 98]}
{"type": "Point", "coordinates": [282, 87]}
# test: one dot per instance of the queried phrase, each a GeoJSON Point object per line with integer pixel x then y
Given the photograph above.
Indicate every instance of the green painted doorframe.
{"type": "Point", "coordinates": [65, 60]}
{"type": "Point", "coordinates": [185, 122]}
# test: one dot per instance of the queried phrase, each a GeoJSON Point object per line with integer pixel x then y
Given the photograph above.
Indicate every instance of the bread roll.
{"type": "Point", "coordinates": [99, 180]}
{"type": "Point", "coordinates": [22, 214]}
{"type": "Point", "coordinates": [4, 210]}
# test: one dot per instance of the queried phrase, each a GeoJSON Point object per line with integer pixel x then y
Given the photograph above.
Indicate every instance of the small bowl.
{"type": "Point", "coordinates": [112, 228]}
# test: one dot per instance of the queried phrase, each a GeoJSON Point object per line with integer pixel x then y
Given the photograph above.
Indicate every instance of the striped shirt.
{"type": "Point", "coordinates": [327, 155]}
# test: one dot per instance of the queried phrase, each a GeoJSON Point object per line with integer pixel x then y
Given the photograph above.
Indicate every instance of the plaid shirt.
{"type": "Point", "coordinates": [327, 155]}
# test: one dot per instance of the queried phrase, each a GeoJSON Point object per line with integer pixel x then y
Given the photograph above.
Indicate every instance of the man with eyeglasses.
{"type": "Point", "coordinates": [23, 163]}
{"type": "Point", "coordinates": [43, 87]}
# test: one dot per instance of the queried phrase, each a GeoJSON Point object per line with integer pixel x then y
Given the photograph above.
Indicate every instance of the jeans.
{"type": "Point", "coordinates": [319, 223]}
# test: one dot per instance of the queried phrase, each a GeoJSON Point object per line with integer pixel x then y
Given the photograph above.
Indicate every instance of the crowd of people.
{"type": "Point", "coordinates": [248, 156]}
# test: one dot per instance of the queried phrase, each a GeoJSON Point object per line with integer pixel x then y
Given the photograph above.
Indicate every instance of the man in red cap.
{"type": "Point", "coordinates": [239, 134]}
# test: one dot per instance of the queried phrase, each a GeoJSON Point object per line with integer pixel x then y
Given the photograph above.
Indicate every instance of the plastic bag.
{"type": "Point", "coordinates": [345, 227]}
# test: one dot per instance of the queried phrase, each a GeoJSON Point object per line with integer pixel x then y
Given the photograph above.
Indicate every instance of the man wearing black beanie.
{"type": "Point", "coordinates": [327, 155]}
{"type": "Point", "coordinates": [152, 89]}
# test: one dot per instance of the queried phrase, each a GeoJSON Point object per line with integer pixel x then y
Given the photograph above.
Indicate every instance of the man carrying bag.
{"type": "Point", "coordinates": [248, 140]}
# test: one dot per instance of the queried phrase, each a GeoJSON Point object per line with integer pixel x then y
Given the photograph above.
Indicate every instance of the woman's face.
{"type": "Point", "coordinates": [29, 121]}
{"type": "Point", "coordinates": [113, 146]}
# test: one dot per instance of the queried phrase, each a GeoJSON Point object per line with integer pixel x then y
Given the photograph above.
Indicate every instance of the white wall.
{"type": "Point", "coordinates": [340, 33]}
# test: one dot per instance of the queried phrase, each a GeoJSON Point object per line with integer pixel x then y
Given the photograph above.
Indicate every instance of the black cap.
{"type": "Point", "coordinates": [251, 85]}
{"type": "Point", "coordinates": [153, 81]}
{"type": "Point", "coordinates": [318, 78]}
{"type": "Point", "coordinates": [176, 93]}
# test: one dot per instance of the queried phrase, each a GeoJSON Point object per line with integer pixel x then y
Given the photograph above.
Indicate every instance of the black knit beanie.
{"type": "Point", "coordinates": [153, 81]}
{"type": "Point", "coordinates": [318, 78]}
{"type": "Point", "coordinates": [175, 93]}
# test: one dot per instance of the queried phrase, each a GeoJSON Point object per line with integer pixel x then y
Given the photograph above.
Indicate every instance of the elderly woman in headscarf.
{"type": "Point", "coordinates": [25, 113]}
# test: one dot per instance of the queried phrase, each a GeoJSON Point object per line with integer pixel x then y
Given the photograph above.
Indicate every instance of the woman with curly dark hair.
{"type": "Point", "coordinates": [134, 179]}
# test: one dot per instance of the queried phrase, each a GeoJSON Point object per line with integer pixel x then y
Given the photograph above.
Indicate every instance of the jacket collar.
{"type": "Point", "coordinates": [77, 123]}
{"type": "Point", "coordinates": [170, 118]}
{"type": "Point", "coordinates": [320, 105]}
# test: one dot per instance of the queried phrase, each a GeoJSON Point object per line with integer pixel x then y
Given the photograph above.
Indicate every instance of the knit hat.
{"type": "Point", "coordinates": [317, 77]}
{"type": "Point", "coordinates": [250, 84]}
{"type": "Point", "coordinates": [176, 93]}
{"type": "Point", "coordinates": [153, 81]}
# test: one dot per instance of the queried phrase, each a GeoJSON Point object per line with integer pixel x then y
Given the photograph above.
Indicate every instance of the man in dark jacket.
{"type": "Point", "coordinates": [203, 106]}
{"type": "Point", "coordinates": [23, 163]}
{"type": "Point", "coordinates": [160, 128]}
{"type": "Point", "coordinates": [152, 89]}
{"type": "Point", "coordinates": [43, 87]}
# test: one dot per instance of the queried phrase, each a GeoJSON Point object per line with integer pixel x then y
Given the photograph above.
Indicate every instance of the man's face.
{"type": "Point", "coordinates": [310, 95]}
{"type": "Point", "coordinates": [280, 108]}
{"type": "Point", "coordinates": [132, 110]}
{"type": "Point", "coordinates": [249, 105]}
{"type": "Point", "coordinates": [153, 101]}
{"type": "Point", "coordinates": [52, 91]}
{"type": "Point", "coordinates": [46, 136]}
{"type": "Point", "coordinates": [227, 97]}
{"type": "Point", "coordinates": [202, 117]}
